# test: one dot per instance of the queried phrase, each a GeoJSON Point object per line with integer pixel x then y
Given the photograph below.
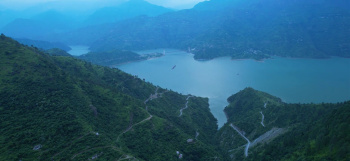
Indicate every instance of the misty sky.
{"type": "Point", "coordinates": [22, 4]}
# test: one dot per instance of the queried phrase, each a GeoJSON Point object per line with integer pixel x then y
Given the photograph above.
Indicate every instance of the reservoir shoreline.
{"type": "Point", "coordinates": [293, 80]}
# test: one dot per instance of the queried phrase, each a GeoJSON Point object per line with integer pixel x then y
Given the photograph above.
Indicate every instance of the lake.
{"type": "Point", "coordinates": [293, 80]}
{"type": "Point", "coordinates": [78, 50]}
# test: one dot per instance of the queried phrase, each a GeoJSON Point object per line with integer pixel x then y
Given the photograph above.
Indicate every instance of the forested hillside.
{"type": "Point", "coordinates": [262, 127]}
{"type": "Point", "coordinates": [325, 139]}
{"type": "Point", "coordinates": [44, 44]}
{"type": "Point", "coordinates": [61, 108]}
{"type": "Point", "coordinates": [114, 57]}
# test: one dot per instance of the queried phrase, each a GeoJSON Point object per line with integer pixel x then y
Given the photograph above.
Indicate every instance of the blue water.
{"type": "Point", "coordinates": [78, 50]}
{"type": "Point", "coordinates": [293, 80]}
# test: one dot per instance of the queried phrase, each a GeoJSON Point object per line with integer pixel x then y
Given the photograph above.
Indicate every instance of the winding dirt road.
{"type": "Point", "coordinates": [186, 106]}
{"type": "Point", "coordinates": [240, 133]}
{"type": "Point", "coordinates": [262, 119]}
{"type": "Point", "coordinates": [146, 119]}
{"type": "Point", "coordinates": [151, 97]}
{"type": "Point", "coordinates": [197, 134]}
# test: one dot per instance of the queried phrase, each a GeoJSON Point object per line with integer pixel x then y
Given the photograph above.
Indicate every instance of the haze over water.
{"type": "Point", "coordinates": [78, 50]}
{"type": "Point", "coordinates": [293, 80]}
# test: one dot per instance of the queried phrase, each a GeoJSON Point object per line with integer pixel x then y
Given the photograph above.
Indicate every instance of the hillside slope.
{"type": "Point", "coordinates": [262, 127]}
{"type": "Point", "coordinates": [61, 108]}
{"type": "Point", "coordinates": [44, 44]}
{"type": "Point", "coordinates": [112, 58]}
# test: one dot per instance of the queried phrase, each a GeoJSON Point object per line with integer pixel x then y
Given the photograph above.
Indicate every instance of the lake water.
{"type": "Point", "coordinates": [293, 80]}
{"type": "Point", "coordinates": [78, 50]}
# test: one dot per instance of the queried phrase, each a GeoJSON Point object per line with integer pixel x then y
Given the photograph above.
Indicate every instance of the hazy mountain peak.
{"type": "Point", "coordinates": [214, 4]}
{"type": "Point", "coordinates": [49, 14]}
{"type": "Point", "coordinates": [129, 9]}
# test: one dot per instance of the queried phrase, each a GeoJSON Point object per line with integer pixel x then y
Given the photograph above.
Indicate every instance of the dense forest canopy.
{"type": "Point", "coordinates": [59, 107]}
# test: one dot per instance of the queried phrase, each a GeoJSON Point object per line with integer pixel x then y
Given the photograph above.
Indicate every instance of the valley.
{"type": "Point", "coordinates": [117, 115]}
{"type": "Point", "coordinates": [201, 80]}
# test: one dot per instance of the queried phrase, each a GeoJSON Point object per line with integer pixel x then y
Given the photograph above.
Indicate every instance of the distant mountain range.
{"type": "Point", "coordinates": [46, 24]}
{"type": "Point", "coordinates": [40, 26]}
{"type": "Point", "coordinates": [236, 28]}
{"type": "Point", "coordinates": [129, 9]}
{"type": "Point", "coordinates": [44, 44]}
{"type": "Point", "coordinates": [254, 29]}
{"type": "Point", "coordinates": [54, 106]}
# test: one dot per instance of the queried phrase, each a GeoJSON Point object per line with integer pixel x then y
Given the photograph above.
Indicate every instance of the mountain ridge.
{"type": "Point", "coordinates": [262, 126]}
{"type": "Point", "coordinates": [129, 9]}
{"type": "Point", "coordinates": [240, 29]}
{"type": "Point", "coordinates": [57, 107]}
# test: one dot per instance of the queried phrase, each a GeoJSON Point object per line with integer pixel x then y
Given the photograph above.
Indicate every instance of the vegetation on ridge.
{"type": "Point", "coordinates": [281, 131]}
{"type": "Point", "coordinates": [62, 108]}
{"type": "Point", "coordinates": [115, 57]}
